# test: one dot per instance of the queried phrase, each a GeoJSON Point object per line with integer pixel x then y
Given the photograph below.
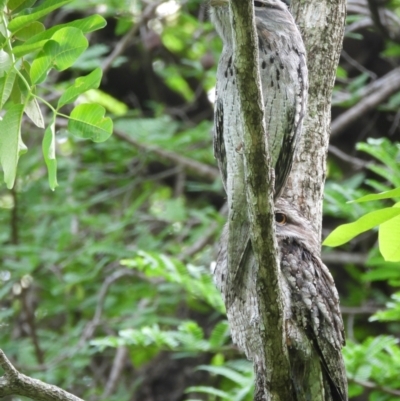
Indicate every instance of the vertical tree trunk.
{"type": "Point", "coordinates": [322, 26]}
{"type": "Point", "coordinates": [256, 314]}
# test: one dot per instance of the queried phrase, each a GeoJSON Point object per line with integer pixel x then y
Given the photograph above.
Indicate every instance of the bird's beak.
{"type": "Point", "coordinates": [218, 3]}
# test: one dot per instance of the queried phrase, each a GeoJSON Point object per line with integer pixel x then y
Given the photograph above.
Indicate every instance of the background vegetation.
{"type": "Point", "coordinates": [105, 284]}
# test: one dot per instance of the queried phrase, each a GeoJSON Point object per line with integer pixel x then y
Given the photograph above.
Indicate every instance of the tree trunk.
{"type": "Point", "coordinates": [321, 23]}
{"type": "Point", "coordinates": [255, 311]}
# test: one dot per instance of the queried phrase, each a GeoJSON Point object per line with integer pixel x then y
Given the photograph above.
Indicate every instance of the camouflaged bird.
{"type": "Point", "coordinates": [284, 82]}
{"type": "Point", "coordinates": [283, 72]}
{"type": "Point", "coordinates": [313, 322]}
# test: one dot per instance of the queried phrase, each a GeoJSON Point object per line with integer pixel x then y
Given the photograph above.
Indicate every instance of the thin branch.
{"type": "Point", "coordinates": [387, 80]}
{"type": "Point", "coordinates": [337, 257]}
{"type": "Point", "coordinates": [196, 168]}
{"type": "Point", "coordinates": [361, 24]}
{"type": "Point", "coordinates": [379, 16]}
{"type": "Point", "coordinates": [30, 319]}
{"type": "Point", "coordinates": [357, 163]}
{"type": "Point", "coordinates": [206, 237]}
{"type": "Point", "coordinates": [272, 383]}
{"type": "Point", "coordinates": [200, 169]}
{"type": "Point", "coordinates": [116, 370]}
{"type": "Point", "coordinates": [383, 88]}
{"type": "Point", "coordinates": [357, 65]}
{"type": "Point", "coordinates": [127, 38]}
{"type": "Point", "coordinates": [27, 306]}
{"type": "Point", "coordinates": [373, 386]}
{"type": "Point", "coordinates": [16, 383]}
{"type": "Point", "coordinates": [359, 310]}
{"type": "Point", "coordinates": [385, 20]}
{"type": "Point", "coordinates": [91, 326]}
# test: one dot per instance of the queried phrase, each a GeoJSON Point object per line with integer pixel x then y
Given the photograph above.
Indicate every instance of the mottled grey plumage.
{"type": "Point", "coordinates": [284, 83]}
{"type": "Point", "coordinates": [313, 322]}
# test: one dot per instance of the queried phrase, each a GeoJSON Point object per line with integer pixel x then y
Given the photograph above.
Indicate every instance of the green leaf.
{"type": "Point", "coordinates": [341, 72]}
{"type": "Point", "coordinates": [18, 5]}
{"type": "Point", "coordinates": [389, 238]}
{"type": "Point", "coordinates": [87, 121]}
{"type": "Point", "coordinates": [394, 193]}
{"type": "Point", "coordinates": [88, 24]}
{"type": "Point", "coordinates": [37, 42]}
{"type": "Point", "coordinates": [61, 51]}
{"type": "Point", "coordinates": [43, 62]}
{"type": "Point", "coordinates": [72, 43]}
{"type": "Point", "coordinates": [81, 85]}
{"type": "Point", "coordinates": [29, 31]}
{"type": "Point", "coordinates": [23, 50]}
{"type": "Point", "coordinates": [6, 86]}
{"type": "Point", "coordinates": [219, 334]}
{"type": "Point", "coordinates": [111, 104]}
{"type": "Point", "coordinates": [392, 313]}
{"type": "Point", "coordinates": [209, 390]}
{"type": "Point", "coordinates": [32, 110]}
{"type": "Point", "coordinates": [16, 94]}
{"type": "Point", "coordinates": [5, 62]}
{"type": "Point", "coordinates": [49, 154]}
{"type": "Point", "coordinates": [11, 145]}
{"type": "Point", "coordinates": [346, 232]}
{"type": "Point", "coordinates": [230, 374]}
{"type": "Point", "coordinates": [45, 8]}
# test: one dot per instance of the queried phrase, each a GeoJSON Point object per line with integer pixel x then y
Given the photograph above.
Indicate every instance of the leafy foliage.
{"type": "Point", "coordinates": [238, 384]}
{"type": "Point", "coordinates": [29, 52]}
{"type": "Point", "coordinates": [108, 276]}
{"type": "Point", "coordinates": [377, 360]}
{"type": "Point", "coordinates": [387, 219]}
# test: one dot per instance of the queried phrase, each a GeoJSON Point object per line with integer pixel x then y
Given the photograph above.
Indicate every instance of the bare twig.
{"type": "Point", "coordinates": [197, 168]}
{"type": "Point", "coordinates": [180, 181]}
{"type": "Point", "coordinates": [200, 169]}
{"type": "Point", "coordinates": [344, 258]}
{"type": "Point", "coordinates": [127, 38]}
{"type": "Point", "coordinates": [357, 163]}
{"type": "Point", "coordinates": [395, 124]}
{"type": "Point", "coordinates": [380, 18]}
{"type": "Point", "coordinates": [29, 312]}
{"type": "Point", "coordinates": [91, 326]}
{"type": "Point", "coordinates": [357, 65]}
{"type": "Point", "coordinates": [206, 237]}
{"type": "Point", "coordinates": [373, 386]}
{"type": "Point", "coordinates": [16, 383]}
{"type": "Point", "coordinates": [384, 18]}
{"type": "Point", "coordinates": [374, 94]}
{"type": "Point", "coordinates": [201, 243]}
{"type": "Point", "coordinates": [359, 310]}
{"type": "Point", "coordinates": [361, 24]}
{"type": "Point", "coordinates": [116, 370]}
{"type": "Point", "coordinates": [27, 306]}
{"type": "Point", "coordinates": [350, 326]}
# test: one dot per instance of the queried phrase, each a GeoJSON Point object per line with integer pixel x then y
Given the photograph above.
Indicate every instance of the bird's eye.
{"type": "Point", "coordinates": [258, 4]}
{"type": "Point", "coordinates": [280, 218]}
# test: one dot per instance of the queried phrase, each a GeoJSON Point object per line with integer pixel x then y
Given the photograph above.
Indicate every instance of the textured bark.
{"type": "Point", "coordinates": [15, 383]}
{"type": "Point", "coordinates": [272, 363]}
{"type": "Point", "coordinates": [261, 331]}
{"type": "Point", "coordinates": [321, 23]}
